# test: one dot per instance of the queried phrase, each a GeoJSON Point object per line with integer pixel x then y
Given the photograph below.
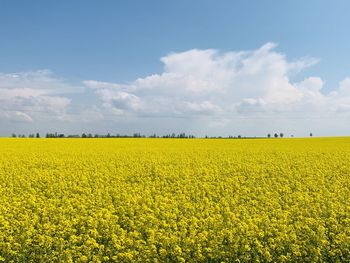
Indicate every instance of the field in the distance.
{"type": "Point", "coordinates": [173, 200]}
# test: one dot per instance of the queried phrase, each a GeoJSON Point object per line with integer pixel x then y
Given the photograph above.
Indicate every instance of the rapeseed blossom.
{"type": "Point", "coordinates": [173, 200]}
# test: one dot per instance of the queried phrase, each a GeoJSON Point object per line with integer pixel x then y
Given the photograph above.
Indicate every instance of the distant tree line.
{"type": "Point", "coordinates": [108, 135]}
{"type": "Point", "coordinates": [139, 135]}
{"type": "Point", "coordinates": [276, 135]}
{"type": "Point", "coordinates": [32, 135]}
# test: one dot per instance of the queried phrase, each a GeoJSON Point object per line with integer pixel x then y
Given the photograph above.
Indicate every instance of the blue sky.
{"type": "Point", "coordinates": [118, 42]}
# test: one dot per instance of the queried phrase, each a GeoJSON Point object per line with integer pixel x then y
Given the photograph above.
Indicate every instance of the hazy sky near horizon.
{"type": "Point", "coordinates": [202, 67]}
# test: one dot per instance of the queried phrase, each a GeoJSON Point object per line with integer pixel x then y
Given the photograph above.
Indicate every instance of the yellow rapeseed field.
{"type": "Point", "coordinates": [175, 200]}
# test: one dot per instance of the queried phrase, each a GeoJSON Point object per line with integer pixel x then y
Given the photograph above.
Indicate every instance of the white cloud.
{"type": "Point", "coordinates": [120, 101]}
{"type": "Point", "coordinates": [40, 80]}
{"type": "Point", "coordinates": [200, 91]}
{"type": "Point", "coordinates": [15, 116]}
{"type": "Point", "coordinates": [209, 77]}
{"type": "Point", "coordinates": [204, 107]}
{"type": "Point", "coordinates": [26, 96]}
{"type": "Point", "coordinates": [228, 85]}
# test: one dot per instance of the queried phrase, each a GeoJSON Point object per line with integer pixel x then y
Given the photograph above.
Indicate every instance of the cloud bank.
{"type": "Point", "coordinates": [33, 96]}
{"type": "Point", "coordinates": [199, 91]}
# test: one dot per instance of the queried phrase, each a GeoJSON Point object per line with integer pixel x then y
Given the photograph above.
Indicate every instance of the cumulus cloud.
{"type": "Point", "coordinates": [225, 86]}
{"type": "Point", "coordinates": [26, 96]}
{"type": "Point", "coordinates": [215, 82]}
{"type": "Point", "coordinates": [199, 91]}
{"type": "Point", "coordinates": [15, 116]}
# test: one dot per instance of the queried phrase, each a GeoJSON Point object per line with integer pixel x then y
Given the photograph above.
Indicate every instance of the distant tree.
{"type": "Point", "coordinates": [239, 136]}
{"type": "Point", "coordinates": [137, 135]}
{"type": "Point", "coordinates": [13, 135]}
{"type": "Point", "coordinates": [281, 135]}
{"type": "Point", "coordinates": [108, 135]}
{"type": "Point", "coordinates": [182, 135]}
{"type": "Point", "coordinates": [269, 135]}
{"type": "Point", "coordinates": [311, 134]}
{"type": "Point", "coordinates": [83, 135]}
{"type": "Point", "coordinates": [275, 135]}
{"type": "Point", "coordinates": [37, 135]}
